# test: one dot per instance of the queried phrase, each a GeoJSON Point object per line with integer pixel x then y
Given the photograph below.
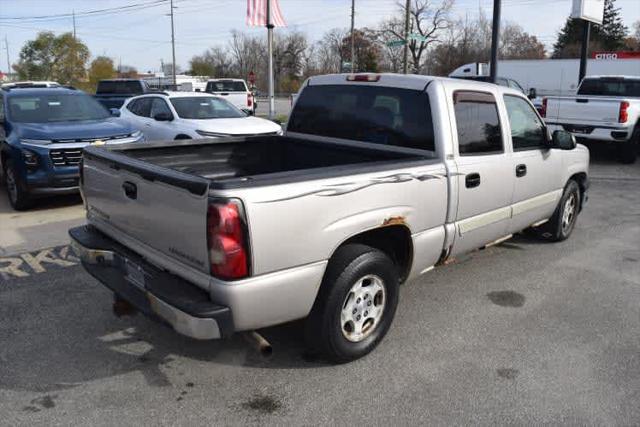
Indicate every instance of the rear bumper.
{"type": "Point", "coordinates": [156, 293]}
{"type": "Point", "coordinates": [595, 133]}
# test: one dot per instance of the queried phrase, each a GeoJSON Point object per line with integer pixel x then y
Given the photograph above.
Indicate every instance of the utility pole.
{"type": "Point", "coordinates": [74, 25]}
{"type": "Point", "coordinates": [407, 17]}
{"type": "Point", "coordinates": [6, 45]}
{"type": "Point", "coordinates": [270, 86]}
{"type": "Point", "coordinates": [173, 48]}
{"type": "Point", "coordinates": [584, 51]}
{"type": "Point", "coordinates": [353, 40]}
{"type": "Point", "coordinates": [495, 36]}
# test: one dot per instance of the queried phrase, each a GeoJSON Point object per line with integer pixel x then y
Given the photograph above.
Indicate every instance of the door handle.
{"type": "Point", "coordinates": [521, 170]}
{"type": "Point", "coordinates": [130, 190]}
{"type": "Point", "coordinates": [472, 180]}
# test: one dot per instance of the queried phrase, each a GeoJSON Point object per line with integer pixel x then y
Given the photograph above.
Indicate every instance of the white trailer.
{"type": "Point", "coordinates": [551, 76]}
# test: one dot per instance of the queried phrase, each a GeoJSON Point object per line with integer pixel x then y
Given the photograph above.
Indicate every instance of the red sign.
{"type": "Point", "coordinates": [616, 55]}
{"type": "Point", "coordinates": [252, 77]}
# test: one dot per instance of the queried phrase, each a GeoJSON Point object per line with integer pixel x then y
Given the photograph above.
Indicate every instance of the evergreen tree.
{"type": "Point", "coordinates": [608, 36]}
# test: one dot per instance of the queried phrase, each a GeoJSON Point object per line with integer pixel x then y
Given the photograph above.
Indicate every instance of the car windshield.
{"type": "Point", "coordinates": [610, 87]}
{"type": "Point", "coordinates": [205, 107]}
{"type": "Point", "coordinates": [226, 86]}
{"type": "Point", "coordinates": [55, 108]}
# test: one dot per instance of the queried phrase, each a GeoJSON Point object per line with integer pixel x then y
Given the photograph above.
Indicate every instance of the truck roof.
{"type": "Point", "coordinates": [613, 77]}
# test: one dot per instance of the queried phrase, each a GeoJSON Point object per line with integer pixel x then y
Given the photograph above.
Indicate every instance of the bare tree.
{"type": "Point", "coordinates": [428, 21]}
{"type": "Point", "coordinates": [329, 51]}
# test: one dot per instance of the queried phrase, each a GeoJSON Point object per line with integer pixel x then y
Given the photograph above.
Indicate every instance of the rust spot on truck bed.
{"type": "Point", "coordinates": [394, 220]}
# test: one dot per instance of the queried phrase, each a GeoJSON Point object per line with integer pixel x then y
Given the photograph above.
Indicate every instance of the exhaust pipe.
{"type": "Point", "coordinates": [259, 343]}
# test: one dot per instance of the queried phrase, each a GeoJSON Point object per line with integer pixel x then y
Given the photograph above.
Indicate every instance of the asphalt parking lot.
{"type": "Point", "coordinates": [524, 332]}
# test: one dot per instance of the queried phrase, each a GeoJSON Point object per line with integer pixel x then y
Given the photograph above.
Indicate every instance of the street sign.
{"type": "Point", "coordinates": [418, 37]}
{"type": "Point", "coordinates": [589, 10]}
{"type": "Point", "coordinates": [395, 43]}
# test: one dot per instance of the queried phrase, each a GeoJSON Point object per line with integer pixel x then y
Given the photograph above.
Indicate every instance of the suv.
{"type": "Point", "coordinates": [42, 134]}
{"type": "Point", "coordinates": [164, 116]}
{"type": "Point", "coordinates": [235, 91]}
{"type": "Point", "coordinates": [113, 92]}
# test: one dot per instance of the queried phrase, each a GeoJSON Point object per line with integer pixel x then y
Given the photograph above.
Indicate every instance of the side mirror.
{"type": "Point", "coordinates": [163, 117]}
{"type": "Point", "coordinates": [533, 93]}
{"type": "Point", "coordinates": [247, 111]}
{"type": "Point", "coordinates": [563, 140]}
{"type": "Point", "coordinates": [115, 112]}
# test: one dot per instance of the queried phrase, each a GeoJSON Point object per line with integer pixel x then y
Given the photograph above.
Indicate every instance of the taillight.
{"type": "Point", "coordinates": [623, 116]}
{"type": "Point", "coordinates": [228, 253]}
{"type": "Point", "coordinates": [543, 109]}
{"type": "Point", "coordinates": [249, 101]}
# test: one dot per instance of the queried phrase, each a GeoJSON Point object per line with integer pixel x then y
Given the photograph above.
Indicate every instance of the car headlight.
{"type": "Point", "coordinates": [211, 134]}
{"type": "Point", "coordinates": [35, 141]}
{"type": "Point", "coordinates": [30, 159]}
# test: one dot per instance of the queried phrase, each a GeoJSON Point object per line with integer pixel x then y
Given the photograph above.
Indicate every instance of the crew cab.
{"type": "Point", "coordinates": [235, 91]}
{"type": "Point", "coordinates": [606, 108]}
{"type": "Point", "coordinates": [113, 92]}
{"type": "Point", "coordinates": [42, 134]}
{"type": "Point", "coordinates": [377, 179]}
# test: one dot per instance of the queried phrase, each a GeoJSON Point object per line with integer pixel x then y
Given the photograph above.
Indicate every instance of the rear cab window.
{"type": "Point", "coordinates": [120, 87]}
{"type": "Point", "coordinates": [226, 86]}
{"type": "Point", "coordinates": [374, 114]}
{"type": "Point", "coordinates": [477, 123]}
{"type": "Point", "coordinates": [610, 87]}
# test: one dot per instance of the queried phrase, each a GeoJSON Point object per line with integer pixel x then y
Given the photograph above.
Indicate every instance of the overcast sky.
{"type": "Point", "coordinates": [140, 36]}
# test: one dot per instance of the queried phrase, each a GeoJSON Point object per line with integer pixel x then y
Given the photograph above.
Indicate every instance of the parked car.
{"type": "Point", "coordinates": [606, 108]}
{"type": "Point", "coordinates": [113, 92]}
{"type": "Point", "coordinates": [377, 179]}
{"type": "Point", "coordinates": [166, 116]}
{"type": "Point", "coordinates": [235, 91]}
{"type": "Point", "coordinates": [42, 134]}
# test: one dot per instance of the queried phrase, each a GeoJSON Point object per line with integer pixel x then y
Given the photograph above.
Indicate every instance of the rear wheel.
{"type": "Point", "coordinates": [563, 221]}
{"type": "Point", "coordinates": [356, 304]}
{"type": "Point", "coordinates": [16, 191]}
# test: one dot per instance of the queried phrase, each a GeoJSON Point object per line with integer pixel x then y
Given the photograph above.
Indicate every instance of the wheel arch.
{"type": "Point", "coordinates": [394, 240]}
{"type": "Point", "coordinates": [583, 183]}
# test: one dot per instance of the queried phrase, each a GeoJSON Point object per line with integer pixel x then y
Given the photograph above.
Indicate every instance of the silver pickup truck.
{"type": "Point", "coordinates": [377, 179]}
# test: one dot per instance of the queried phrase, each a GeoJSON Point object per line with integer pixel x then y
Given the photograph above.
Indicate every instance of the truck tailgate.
{"type": "Point", "coordinates": [163, 209]}
{"type": "Point", "coordinates": [583, 110]}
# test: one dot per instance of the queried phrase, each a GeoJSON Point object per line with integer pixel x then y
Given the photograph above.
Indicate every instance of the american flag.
{"type": "Point", "coordinates": [257, 13]}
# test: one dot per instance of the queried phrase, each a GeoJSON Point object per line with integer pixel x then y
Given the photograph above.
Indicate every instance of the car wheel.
{"type": "Point", "coordinates": [18, 196]}
{"type": "Point", "coordinates": [563, 221]}
{"type": "Point", "coordinates": [355, 305]}
{"type": "Point", "coordinates": [628, 150]}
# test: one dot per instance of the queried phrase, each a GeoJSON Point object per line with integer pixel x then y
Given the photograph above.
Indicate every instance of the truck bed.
{"type": "Point", "coordinates": [263, 160]}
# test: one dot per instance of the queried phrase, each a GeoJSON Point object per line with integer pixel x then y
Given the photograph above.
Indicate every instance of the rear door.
{"type": "Point", "coordinates": [537, 169]}
{"type": "Point", "coordinates": [485, 174]}
{"type": "Point", "coordinates": [159, 130]}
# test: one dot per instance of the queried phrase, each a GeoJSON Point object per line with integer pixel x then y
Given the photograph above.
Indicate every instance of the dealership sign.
{"type": "Point", "coordinates": [589, 10]}
{"type": "Point", "coordinates": [616, 55]}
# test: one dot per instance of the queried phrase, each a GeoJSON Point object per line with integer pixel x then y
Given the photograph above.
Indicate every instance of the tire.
{"type": "Point", "coordinates": [563, 221]}
{"type": "Point", "coordinates": [16, 191]}
{"type": "Point", "coordinates": [362, 278]}
{"type": "Point", "coordinates": [628, 150]}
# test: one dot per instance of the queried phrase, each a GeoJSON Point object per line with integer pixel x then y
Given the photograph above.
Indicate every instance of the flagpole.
{"type": "Point", "coordinates": [270, 55]}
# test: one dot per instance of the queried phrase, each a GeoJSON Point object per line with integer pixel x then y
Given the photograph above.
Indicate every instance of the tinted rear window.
{"type": "Point", "coordinates": [610, 87]}
{"type": "Point", "coordinates": [382, 115]}
{"type": "Point", "coordinates": [124, 87]}
{"type": "Point", "coordinates": [226, 86]}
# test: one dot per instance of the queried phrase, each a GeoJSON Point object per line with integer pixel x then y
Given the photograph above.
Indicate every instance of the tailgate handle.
{"type": "Point", "coordinates": [130, 190]}
{"type": "Point", "coordinates": [582, 100]}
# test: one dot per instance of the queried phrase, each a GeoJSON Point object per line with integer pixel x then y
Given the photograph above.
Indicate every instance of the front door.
{"type": "Point", "coordinates": [537, 169]}
{"type": "Point", "coordinates": [485, 180]}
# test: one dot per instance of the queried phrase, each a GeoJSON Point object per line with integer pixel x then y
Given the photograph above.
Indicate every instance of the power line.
{"type": "Point", "coordinates": [111, 10]}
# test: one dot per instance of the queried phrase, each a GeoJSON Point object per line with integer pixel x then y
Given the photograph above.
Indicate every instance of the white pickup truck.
{"type": "Point", "coordinates": [235, 91]}
{"type": "Point", "coordinates": [606, 108]}
{"type": "Point", "coordinates": [377, 179]}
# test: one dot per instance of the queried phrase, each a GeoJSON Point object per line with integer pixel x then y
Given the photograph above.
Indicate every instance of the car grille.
{"type": "Point", "coordinates": [66, 157]}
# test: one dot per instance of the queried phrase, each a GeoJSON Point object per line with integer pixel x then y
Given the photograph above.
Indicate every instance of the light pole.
{"type": "Point", "coordinates": [495, 36]}
{"type": "Point", "coordinates": [406, 37]}
{"type": "Point", "coordinates": [173, 49]}
{"type": "Point", "coordinates": [353, 41]}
